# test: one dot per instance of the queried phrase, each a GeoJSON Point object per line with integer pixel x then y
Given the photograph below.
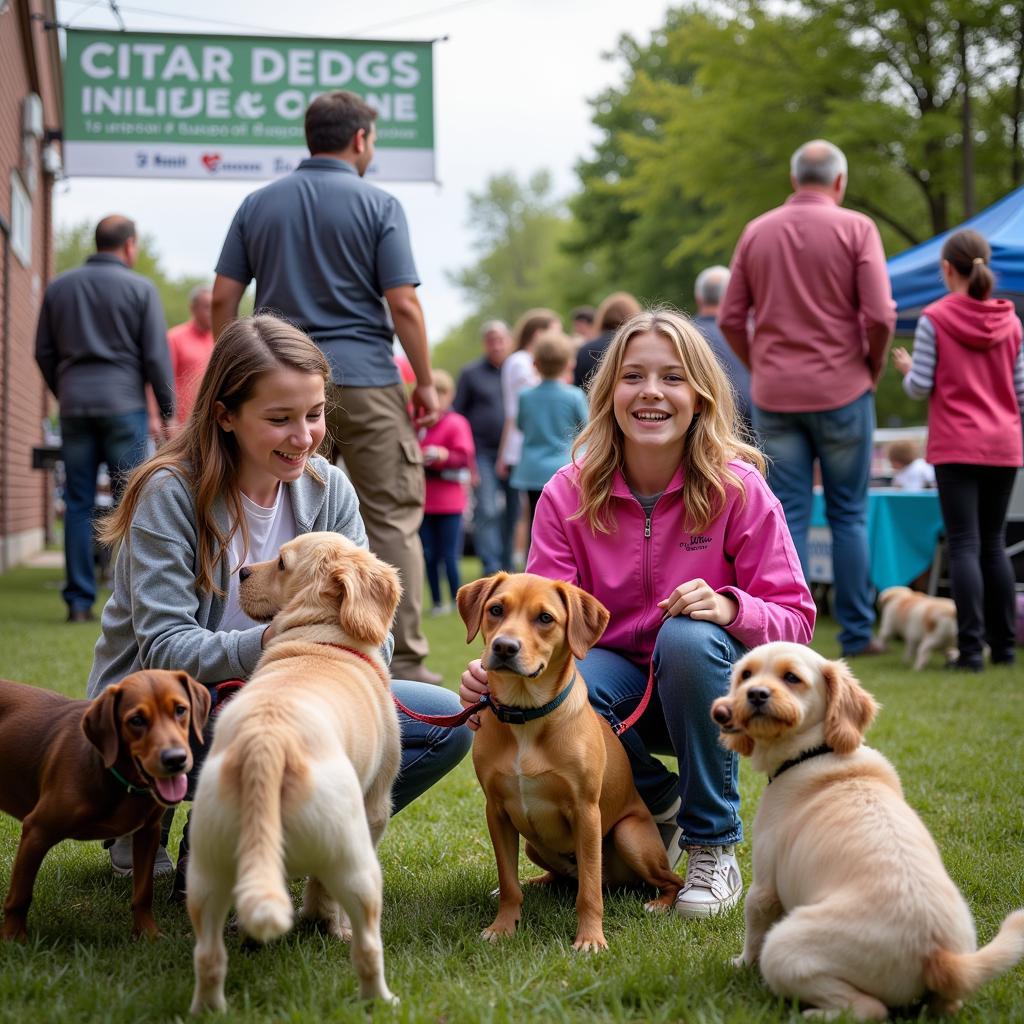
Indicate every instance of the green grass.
{"type": "Point", "coordinates": [958, 743]}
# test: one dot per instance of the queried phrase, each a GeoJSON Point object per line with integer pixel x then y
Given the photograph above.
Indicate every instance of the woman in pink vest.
{"type": "Point", "coordinates": [967, 361]}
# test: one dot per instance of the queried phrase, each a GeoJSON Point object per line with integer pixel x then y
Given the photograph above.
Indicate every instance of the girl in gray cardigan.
{"type": "Point", "coordinates": [238, 481]}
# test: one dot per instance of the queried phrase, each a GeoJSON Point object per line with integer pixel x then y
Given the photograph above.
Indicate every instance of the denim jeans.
{"type": "Point", "coordinates": [495, 512]}
{"type": "Point", "coordinates": [841, 439]}
{"type": "Point", "coordinates": [974, 501]}
{"type": "Point", "coordinates": [120, 442]}
{"type": "Point", "coordinates": [441, 537]}
{"type": "Point", "coordinates": [692, 663]}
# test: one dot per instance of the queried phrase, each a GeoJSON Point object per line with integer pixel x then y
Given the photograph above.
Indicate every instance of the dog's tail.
{"type": "Point", "coordinates": [956, 975]}
{"type": "Point", "coordinates": [261, 896]}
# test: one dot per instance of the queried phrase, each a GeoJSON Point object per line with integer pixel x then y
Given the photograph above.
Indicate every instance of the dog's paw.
{"type": "Point", "coordinates": [498, 930]}
{"type": "Point", "coordinates": [739, 962]}
{"type": "Point", "coordinates": [590, 943]}
{"type": "Point", "coordinates": [661, 905]}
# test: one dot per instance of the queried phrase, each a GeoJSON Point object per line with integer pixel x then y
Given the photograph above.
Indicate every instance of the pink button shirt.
{"type": "Point", "coordinates": [191, 349]}
{"type": "Point", "coordinates": [813, 277]}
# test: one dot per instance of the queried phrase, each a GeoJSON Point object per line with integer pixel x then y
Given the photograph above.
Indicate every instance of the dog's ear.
{"type": "Point", "coordinates": [199, 700]}
{"type": "Point", "coordinates": [585, 621]}
{"type": "Point", "coordinates": [849, 708]}
{"type": "Point", "coordinates": [100, 724]}
{"type": "Point", "coordinates": [472, 597]}
{"type": "Point", "coordinates": [370, 593]}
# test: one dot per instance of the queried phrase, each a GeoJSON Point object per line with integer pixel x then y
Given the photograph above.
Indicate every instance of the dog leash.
{"type": "Point", "coordinates": [503, 712]}
{"type": "Point", "coordinates": [641, 707]}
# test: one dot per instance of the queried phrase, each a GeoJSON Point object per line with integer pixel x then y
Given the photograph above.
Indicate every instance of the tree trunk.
{"type": "Point", "coordinates": [1016, 156]}
{"type": "Point", "coordinates": [967, 127]}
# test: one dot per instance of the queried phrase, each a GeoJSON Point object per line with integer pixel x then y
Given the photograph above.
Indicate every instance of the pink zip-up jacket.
{"type": "Point", "coordinates": [746, 552]}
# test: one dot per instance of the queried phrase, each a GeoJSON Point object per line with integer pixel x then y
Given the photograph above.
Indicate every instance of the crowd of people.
{"type": "Point", "coordinates": [662, 463]}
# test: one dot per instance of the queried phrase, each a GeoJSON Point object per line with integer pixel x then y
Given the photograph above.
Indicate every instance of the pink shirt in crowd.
{"type": "Point", "coordinates": [190, 352]}
{"type": "Point", "coordinates": [813, 277]}
{"type": "Point", "coordinates": [445, 489]}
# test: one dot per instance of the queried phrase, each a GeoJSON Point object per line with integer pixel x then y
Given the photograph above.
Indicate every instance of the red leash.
{"type": "Point", "coordinates": [640, 708]}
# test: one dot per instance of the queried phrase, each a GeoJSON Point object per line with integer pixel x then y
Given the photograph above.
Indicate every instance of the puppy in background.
{"type": "Point", "coordinates": [925, 623]}
{"type": "Point", "coordinates": [851, 908]}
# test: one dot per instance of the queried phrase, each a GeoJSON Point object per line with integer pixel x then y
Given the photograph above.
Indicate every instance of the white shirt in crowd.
{"type": "Point", "coordinates": [918, 476]}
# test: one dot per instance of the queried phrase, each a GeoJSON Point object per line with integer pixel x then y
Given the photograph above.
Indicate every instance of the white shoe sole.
{"type": "Point", "coordinates": [701, 910]}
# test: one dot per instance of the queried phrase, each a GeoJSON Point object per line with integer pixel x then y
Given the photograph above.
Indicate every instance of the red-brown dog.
{"type": "Point", "coordinates": [78, 769]}
{"type": "Point", "coordinates": [551, 768]}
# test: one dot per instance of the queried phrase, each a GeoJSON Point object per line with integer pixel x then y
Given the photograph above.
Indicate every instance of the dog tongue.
{"type": "Point", "coordinates": [172, 790]}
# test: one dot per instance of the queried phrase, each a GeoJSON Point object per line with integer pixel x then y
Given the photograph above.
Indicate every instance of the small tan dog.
{"type": "Point", "coordinates": [551, 768]}
{"type": "Point", "coordinates": [926, 623]}
{"type": "Point", "coordinates": [851, 908]}
{"type": "Point", "coordinates": [298, 781]}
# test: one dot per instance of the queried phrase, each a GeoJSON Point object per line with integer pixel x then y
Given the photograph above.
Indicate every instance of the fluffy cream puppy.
{"type": "Point", "coordinates": [926, 623]}
{"type": "Point", "coordinates": [851, 908]}
{"type": "Point", "coordinates": [298, 780]}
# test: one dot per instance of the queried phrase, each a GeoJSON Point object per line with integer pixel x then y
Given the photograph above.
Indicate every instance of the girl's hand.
{"type": "Point", "coordinates": [697, 600]}
{"type": "Point", "coordinates": [472, 687]}
{"type": "Point", "coordinates": [901, 360]}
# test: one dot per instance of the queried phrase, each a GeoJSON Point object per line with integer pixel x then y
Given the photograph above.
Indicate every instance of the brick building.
{"type": "Point", "coordinates": [30, 122]}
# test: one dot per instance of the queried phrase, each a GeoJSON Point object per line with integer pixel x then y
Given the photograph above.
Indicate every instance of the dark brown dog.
{"type": "Point", "coordinates": [561, 781]}
{"type": "Point", "coordinates": [78, 769]}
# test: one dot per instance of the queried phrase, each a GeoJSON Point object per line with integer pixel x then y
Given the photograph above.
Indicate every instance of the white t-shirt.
{"type": "Point", "coordinates": [269, 528]}
{"type": "Point", "coordinates": [517, 374]}
{"type": "Point", "coordinates": [918, 476]}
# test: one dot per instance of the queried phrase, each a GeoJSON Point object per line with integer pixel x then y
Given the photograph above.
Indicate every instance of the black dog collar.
{"type": "Point", "coordinates": [799, 759]}
{"type": "Point", "coordinates": [520, 716]}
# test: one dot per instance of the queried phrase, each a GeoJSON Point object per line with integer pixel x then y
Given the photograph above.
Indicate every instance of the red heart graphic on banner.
{"type": "Point", "coordinates": [211, 161]}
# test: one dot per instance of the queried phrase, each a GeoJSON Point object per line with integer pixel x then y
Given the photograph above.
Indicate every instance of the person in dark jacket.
{"type": "Point", "coordinates": [101, 339]}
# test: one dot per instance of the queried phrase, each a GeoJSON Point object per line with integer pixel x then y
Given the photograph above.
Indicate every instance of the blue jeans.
{"type": "Point", "coordinates": [120, 442]}
{"type": "Point", "coordinates": [441, 537]}
{"type": "Point", "coordinates": [495, 512]}
{"type": "Point", "coordinates": [692, 663]}
{"type": "Point", "coordinates": [841, 439]}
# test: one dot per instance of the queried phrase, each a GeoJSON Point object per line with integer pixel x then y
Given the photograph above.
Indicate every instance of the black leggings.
{"type": "Point", "coordinates": [974, 501]}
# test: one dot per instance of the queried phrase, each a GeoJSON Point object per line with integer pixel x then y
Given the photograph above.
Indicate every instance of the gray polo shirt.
{"type": "Point", "coordinates": [101, 338]}
{"type": "Point", "coordinates": [324, 245]}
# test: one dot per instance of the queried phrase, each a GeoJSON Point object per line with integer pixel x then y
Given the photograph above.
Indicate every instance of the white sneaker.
{"type": "Point", "coordinates": [713, 883]}
{"type": "Point", "coordinates": [121, 858]}
{"type": "Point", "coordinates": [440, 610]}
{"type": "Point", "coordinates": [671, 832]}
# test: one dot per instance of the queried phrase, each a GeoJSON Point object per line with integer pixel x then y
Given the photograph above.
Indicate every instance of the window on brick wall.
{"type": "Point", "coordinates": [21, 221]}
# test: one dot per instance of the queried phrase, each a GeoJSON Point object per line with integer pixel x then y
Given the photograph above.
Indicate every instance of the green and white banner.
{"type": "Point", "coordinates": [158, 105]}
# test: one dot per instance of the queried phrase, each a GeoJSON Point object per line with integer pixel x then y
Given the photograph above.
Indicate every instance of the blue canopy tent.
{"type": "Point", "coordinates": [915, 276]}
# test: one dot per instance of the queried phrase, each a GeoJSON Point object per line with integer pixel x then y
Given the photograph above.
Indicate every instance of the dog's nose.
{"type": "Point", "coordinates": [505, 647]}
{"type": "Point", "coordinates": [244, 573]}
{"type": "Point", "coordinates": [174, 758]}
{"type": "Point", "coordinates": [758, 695]}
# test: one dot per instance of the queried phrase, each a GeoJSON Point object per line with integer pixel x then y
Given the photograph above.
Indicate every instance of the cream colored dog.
{"type": "Point", "coordinates": [298, 780]}
{"type": "Point", "coordinates": [926, 623]}
{"type": "Point", "coordinates": [850, 908]}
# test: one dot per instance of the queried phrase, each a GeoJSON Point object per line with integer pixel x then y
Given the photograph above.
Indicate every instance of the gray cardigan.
{"type": "Point", "coordinates": [156, 619]}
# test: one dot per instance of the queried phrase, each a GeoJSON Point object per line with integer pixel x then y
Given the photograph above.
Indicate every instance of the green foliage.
{"type": "Point", "coordinates": [75, 243]}
{"type": "Point", "coordinates": [955, 742]}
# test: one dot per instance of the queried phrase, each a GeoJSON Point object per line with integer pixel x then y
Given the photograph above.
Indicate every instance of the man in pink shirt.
{"type": "Point", "coordinates": [809, 309]}
{"type": "Point", "coordinates": [191, 344]}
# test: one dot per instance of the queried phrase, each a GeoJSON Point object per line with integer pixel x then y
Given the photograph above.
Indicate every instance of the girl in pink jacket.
{"type": "Point", "coordinates": [666, 518]}
{"type": "Point", "coordinates": [968, 362]}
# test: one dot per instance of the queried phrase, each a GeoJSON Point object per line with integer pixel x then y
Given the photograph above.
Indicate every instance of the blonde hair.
{"type": "Point", "coordinates": [552, 352]}
{"type": "Point", "coordinates": [712, 441]}
{"type": "Point", "coordinates": [443, 383]}
{"type": "Point", "coordinates": [206, 457]}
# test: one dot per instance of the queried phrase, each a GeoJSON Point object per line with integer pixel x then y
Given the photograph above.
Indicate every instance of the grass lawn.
{"type": "Point", "coordinates": [958, 743]}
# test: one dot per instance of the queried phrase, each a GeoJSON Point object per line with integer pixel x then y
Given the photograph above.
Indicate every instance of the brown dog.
{"type": "Point", "coordinates": [78, 769]}
{"type": "Point", "coordinates": [559, 778]}
{"type": "Point", "coordinates": [851, 909]}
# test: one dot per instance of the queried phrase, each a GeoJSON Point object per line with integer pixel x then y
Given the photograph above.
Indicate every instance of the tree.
{"type": "Point", "coordinates": [520, 262]}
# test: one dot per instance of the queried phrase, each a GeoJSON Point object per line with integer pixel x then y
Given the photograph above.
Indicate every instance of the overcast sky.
{"type": "Point", "coordinates": [511, 88]}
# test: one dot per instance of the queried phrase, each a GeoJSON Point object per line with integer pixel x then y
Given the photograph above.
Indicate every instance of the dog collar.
{"type": "Point", "coordinates": [128, 785]}
{"type": "Point", "coordinates": [799, 759]}
{"type": "Point", "coordinates": [520, 716]}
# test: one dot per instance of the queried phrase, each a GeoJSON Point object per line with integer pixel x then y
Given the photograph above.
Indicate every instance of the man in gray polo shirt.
{"type": "Point", "coordinates": [331, 253]}
{"type": "Point", "coordinates": [101, 338]}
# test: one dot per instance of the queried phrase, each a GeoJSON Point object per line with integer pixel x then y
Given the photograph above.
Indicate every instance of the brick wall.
{"type": "Point", "coordinates": [28, 63]}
